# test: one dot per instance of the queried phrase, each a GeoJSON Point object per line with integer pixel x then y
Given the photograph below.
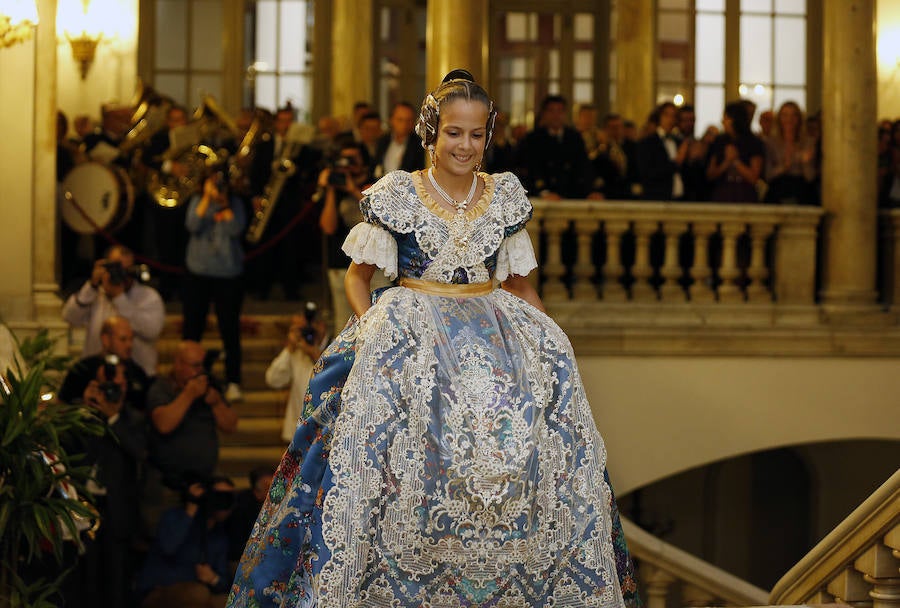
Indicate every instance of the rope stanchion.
{"type": "Point", "coordinates": [168, 268]}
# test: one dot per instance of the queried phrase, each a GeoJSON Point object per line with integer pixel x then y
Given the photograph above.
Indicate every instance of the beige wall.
{"type": "Point", "coordinates": [663, 415]}
{"type": "Point", "coordinates": [888, 49]}
{"type": "Point", "coordinates": [17, 100]}
{"type": "Point", "coordinates": [113, 76]}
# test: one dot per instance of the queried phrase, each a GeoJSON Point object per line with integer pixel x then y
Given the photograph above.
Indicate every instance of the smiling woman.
{"type": "Point", "coordinates": [447, 455]}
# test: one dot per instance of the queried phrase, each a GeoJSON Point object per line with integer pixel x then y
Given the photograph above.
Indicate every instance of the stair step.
{"type": "Point", "coordinates": [255, 432]}
{"type": "Point", "coordinates": [262, 404]}
{"type": "Point", "coordinates": [252, 326]}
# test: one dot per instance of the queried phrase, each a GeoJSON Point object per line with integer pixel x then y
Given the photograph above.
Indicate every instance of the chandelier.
{"type": "Point", "coordinates": [18, 19]}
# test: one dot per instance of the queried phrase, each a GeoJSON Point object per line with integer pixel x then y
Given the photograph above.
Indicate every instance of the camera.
{"type": "Point", "coordinates": [111, 390]}
{"type": "Point", "coordinates": [118, 273]}
{"type": "Point", "coordinates": [212, 499]}
{"type": "Point", "coordinates": [339, 170]}
{"type": "Point", "coordinates": [209, 359]}
{"type": "Point", "coordinates": [310, 312]}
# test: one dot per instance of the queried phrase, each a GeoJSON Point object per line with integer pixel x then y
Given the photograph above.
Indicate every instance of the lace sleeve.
{"type": "Point", "coordinates": [515, 256]}
{"type": "Point", "coordinates": [370, 244]}
{"type": "Point", "coordinates": [517, 209]}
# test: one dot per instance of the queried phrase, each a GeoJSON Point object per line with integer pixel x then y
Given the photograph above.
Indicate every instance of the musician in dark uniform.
{"type": "Point", "coordinates": [298, 251]}
{"type": "Point", "coordinates": [164, 238]}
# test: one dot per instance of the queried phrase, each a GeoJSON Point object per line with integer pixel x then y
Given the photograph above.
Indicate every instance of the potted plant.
{"type": "Point", "coordinates": [42, 488]}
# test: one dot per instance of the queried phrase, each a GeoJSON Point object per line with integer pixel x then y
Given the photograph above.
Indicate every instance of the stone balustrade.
{"type": "Point", "coordinates": [676, 253]}
{"type": "Point", "coordinates": [672, 577]}
{"type": "Point", "coordinates": [857, 564]}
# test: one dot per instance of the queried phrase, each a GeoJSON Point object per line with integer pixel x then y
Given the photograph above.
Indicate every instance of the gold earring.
{"type": "Point", "coordinates": [431, 156]}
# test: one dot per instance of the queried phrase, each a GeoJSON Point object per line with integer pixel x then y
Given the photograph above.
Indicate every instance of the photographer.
{"type": "Point", "coordinates": [342, 186]}
{"type": "Point", "coordinates": [113, 290]}
{"type": "Point", "coordinates": [215, 261]}
{"type": "Point", "coordinates": [187, 565]}
{"type": "Point", "coordinates": [117, 340]}
{"type": "Point", "coordinates": [306, 339]}
{"type": "Point", "coordinates": [186, 409]}
{"type": "Point", "coordinates": [104, 571]}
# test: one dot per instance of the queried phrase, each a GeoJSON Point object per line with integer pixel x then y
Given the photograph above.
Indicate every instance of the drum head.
{"type": "Point", "coordinates": [101, 192]}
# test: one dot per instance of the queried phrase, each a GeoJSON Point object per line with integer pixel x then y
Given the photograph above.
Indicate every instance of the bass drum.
{"type": "Point", "coordinates": [104, 193]}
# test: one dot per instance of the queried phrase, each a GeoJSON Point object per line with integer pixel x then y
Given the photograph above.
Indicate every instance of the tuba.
{"type": "Point", "coordinates": [199, 146]}
{"type": "Point", "coordinates": [148, 117]}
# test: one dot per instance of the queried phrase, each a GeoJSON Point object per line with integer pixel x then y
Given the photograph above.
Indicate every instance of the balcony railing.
{"type": "Point", "coordinates": [858, 563]}
{"type": "Point", "coordinates": [672, 577]}
{"type": "Point", "coordinates": [676, 253]}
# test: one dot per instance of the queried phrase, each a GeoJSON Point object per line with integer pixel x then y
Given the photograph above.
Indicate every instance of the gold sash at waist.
{"type": "Point", "coordinates": [452, 290]}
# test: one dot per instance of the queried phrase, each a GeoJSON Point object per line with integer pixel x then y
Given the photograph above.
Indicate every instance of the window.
{"type": "Point", "coordinates": [561, 51]}
{"type": "Point", "coordinates": [188, 58]}
{"type": "Point", "coordinates": [773, 52]}
{"type": "Point", "coordinates": [401, 54]}
{"type": "Point", "coordinates": [279, 45]}
{"type": "Point", "coordinates": [694, 41]}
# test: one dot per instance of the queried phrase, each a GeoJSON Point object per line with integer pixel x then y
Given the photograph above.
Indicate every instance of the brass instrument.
{"type": "Point", "coordinates": [282, 169]}
{"type": "Point", "coordinates": [238, 165]}
{"type": "Point", "coordinates": [148, 117]}
{"type": "Point", "coordinates": [210, 124]}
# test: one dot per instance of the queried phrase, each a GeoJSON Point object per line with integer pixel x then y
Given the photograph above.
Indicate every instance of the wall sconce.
{"type": "Point", "coordinates": [84, 47]}
{"type": "Point", "coordinates": [79, 22]}
{"type": "Point", "coordinates": [18, 19]}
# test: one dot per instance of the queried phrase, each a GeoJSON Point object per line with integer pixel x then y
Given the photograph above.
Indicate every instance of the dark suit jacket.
{"type": "Point", "coordinates": [413, 157]}
{"type": "Point", "coordinates": [543, 162]}
{"type": "Point", "coordinates": [655, 168]}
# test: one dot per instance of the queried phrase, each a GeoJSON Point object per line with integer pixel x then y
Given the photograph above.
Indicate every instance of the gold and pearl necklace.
{"type": "Point", "coordinates": [460, 206]}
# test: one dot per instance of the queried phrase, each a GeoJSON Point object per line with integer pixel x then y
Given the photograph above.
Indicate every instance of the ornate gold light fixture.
{"type": "Point", "coordinates": [81, 24]}
{"type": "Point", "coordinates": [18, 19]}
{"type": "Point", "coordinates": [84, 47]}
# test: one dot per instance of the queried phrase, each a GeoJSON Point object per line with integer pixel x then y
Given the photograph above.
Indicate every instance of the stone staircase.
{"type": "Point", "coordinates": [257, 441]}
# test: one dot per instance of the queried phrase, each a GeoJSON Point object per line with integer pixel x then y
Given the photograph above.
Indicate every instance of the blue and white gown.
{"type": "Point", "coordinates": [447, 456]}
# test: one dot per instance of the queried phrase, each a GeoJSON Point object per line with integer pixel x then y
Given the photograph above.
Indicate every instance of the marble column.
{"type": "Point", "coordinates": [849, 156]}
{"type": "Point", "coordinates": [635, 66]}
{"type": "Point", "coordinates": [46, 303]}
{"type": "Point", "coordinates": [456, 38]}
{"type": "Point", "coordinates": [352, 50]}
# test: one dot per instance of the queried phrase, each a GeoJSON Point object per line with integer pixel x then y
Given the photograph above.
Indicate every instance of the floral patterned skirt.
{"type": "Point", "coordinates": [448, 457]}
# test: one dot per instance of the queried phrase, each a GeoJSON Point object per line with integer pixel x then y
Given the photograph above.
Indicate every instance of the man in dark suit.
{"type": "Point", "coordinates": [615, 164]}
{"type": "Point", "coordinates": [660, 156]}
{"type": "Point", "coordinates": [551, 160]}
{"type": "Point", "coordinates": [401, 148]}
{"type": "Point", "coordinates": [104, 572]}
{"type": "Point", "coordinates": [300, 249]}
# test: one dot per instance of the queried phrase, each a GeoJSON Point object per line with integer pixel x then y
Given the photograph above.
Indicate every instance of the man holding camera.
{"type": "Point", "coordinates": [187, 565]}
{"type": "Point", "coordinates": [103, 573]}
{"type": "Point", "coordinates": [185, 409]}
{"type": "Point", "coordinates": [342, 185]}
{"type": "Point", "coordinates": [113, 290]}
{"type": "Point", "coordinates": [117, 339]}
{"type": "Point", "coordinates": [306, 339]}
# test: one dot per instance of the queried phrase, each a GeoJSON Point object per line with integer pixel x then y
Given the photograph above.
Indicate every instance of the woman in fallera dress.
{"type": "Point", "coordinates": [447, 455]}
